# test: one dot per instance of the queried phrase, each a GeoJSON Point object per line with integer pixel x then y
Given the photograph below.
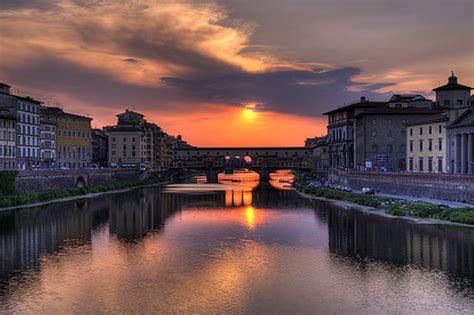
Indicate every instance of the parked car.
{"type": "Point", "coordinates": [347, 188]}
{"type": "Point", "coordinates": [368, 191]}
{"type": "Point", "coordinates": [314, 184]}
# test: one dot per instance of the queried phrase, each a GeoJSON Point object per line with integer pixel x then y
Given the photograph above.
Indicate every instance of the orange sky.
{"type": "Point", "coordinates": [233, 126]}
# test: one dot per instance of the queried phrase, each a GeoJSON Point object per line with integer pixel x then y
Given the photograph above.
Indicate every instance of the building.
{"type": "Point", "coordinates": [127, 143]}
{"type": "Point", "coordinates": [460, 137]}
{"type": "Point", "coordinates": [100, 148]}
{"type": "Point", "coordinates": [8, 123]}
{"type": "Point", "coordinates": [48, 144]}
{"type": "Point", "coordinates": [380, 136]}
{"type": "Point", "coordinates": [456, 100]}
{"type": "Point", "coordinates": [409, 100]}
{"type": "Point", "coordinates": [319, 151]}
{"type": "Point", "coordinates": [28, 142]}
{"type": "Point", "coordinates": [341, 134]}
{"type": "Point", "coordinates": [73, 138]}
{"type": "Point", "coordinates": [426, 144]}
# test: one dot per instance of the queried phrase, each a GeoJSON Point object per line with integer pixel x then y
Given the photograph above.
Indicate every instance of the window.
{"type": "Point", "coordinates": [430, 130]}
{"type": "Point", "coordinates": [411, 146]}
{"type": "Point", "coordinates": [421, 145]}
{"type": "Point", "coordinates": [430, 145]}
{"type": "Point", "coordinates": [113, 139]}
{"type": "Point", "coordinates": [440, 165]}
{"type": "Point", "coordinates": [421, 164]}
{"type": "Point", "coordinates": [389, 148]}
{"type": "Point", "coordinates": [389, 133]}
{"type": "Point", "coordinates": [440, 129]}
{"type": "Point", "coordinates": [458, 102]}
{"type": "Point", "coordinates": [430, 165]}
{"type": "Point", "coordinates": [410, 165]}
{"type": "Point", "coordinates": [411, 131]}
{"type": "Point", "coordinates": [124, 139]}
{"type": "Point", "coordinates": [374, 148]}
{"type": "Point", "coordinates": [440, 144]}
{"type": "Point", "coordinates": [421, 131]}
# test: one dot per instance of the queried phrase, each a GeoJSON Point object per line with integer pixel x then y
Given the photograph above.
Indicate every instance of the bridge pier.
{"type": "Point", "coordinates": [211, 176]}
{"type": "Point", "coordinates": [264, 175]}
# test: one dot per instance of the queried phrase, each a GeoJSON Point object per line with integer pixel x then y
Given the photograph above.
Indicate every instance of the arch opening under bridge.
{"type": "Point", "coordinates": [263, 160]}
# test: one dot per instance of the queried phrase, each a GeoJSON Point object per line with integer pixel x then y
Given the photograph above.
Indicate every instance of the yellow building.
{"type": "Point", "coordinates": [73, 138]}
{"type": "Point", "coordinates": [427, 144]}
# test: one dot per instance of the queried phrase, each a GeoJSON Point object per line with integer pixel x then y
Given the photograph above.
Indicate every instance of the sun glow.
{"type": "Point", "coordinates": [249, 113]}
{"type": "Point", "coordinates": [250, 217]}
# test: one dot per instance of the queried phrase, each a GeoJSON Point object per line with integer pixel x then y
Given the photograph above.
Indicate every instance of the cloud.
{"type": "Point", "coordinates": [282, 91]}
{"type": "Point", "coordinates": [169, 38]}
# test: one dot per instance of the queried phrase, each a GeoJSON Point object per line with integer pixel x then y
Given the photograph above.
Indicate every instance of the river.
{"type": "Point", "coordinates": [228, 249]}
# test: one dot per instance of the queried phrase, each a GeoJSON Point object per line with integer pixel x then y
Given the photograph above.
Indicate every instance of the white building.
{"type": "Point", "coordinates": [48, 144]}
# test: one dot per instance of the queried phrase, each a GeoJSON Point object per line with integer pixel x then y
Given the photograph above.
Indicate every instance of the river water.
{"type": "Point", "coordinates": [227, 249]}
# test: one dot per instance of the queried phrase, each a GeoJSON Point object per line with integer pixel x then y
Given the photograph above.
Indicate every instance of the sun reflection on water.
{"type": "Point", "coordinates": [250, 214]}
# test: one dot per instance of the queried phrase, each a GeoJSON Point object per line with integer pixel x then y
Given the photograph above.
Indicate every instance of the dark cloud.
{"type": "Point", "coordinates": [131, 60]}
{"type": "Point", "coordinates": [26, 4]}
{"type": "Point", "coordinates": [278, 91]}
{"type": "Point", "coordinates": [282, 91]}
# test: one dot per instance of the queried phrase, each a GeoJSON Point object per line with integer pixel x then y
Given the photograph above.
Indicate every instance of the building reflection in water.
{"type": "Point", "coordinates": [396, 241]}
{"type": "Point", "coordinates": [27, 234]}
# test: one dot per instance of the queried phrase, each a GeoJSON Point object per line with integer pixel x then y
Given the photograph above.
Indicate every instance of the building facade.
{"type": "Point", "coordinates": [127, 143]}
{"type": "Point", "coordinates": [426, 145]}
{"type": "Point", "coordinates": [341, 132]}
{"type": "Point", "coordinates": [8, 122]}
{"type": "Point", "coordinates": [73, 138]}
{"type": "Point", "coordinates": [48, 144]}
{"type": "Point", "coordinates": [460, 138]}
{"type": "Point", "coordinates": [319, 152]}
{"type": "Point", "coordinates": [100, 148]}
{"type": "Point", "coordinates": [27, 111]}
{"type": "Point", "coordinates": [380, 137]}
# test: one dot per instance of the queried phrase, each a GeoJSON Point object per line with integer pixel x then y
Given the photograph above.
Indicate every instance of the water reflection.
{"type": "Point", "coordinates": [227, 249]}
{"type": "Point", "coordinates": [361, 235]}
{"type": "Point", "coordinates": [280, 179]}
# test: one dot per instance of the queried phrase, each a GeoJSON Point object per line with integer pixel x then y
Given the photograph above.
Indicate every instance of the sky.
{"type": "Point", "coordinates": [231, 72]}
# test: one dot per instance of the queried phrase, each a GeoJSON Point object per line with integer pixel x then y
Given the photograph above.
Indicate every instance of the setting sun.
{"type": "Point", "coordinates": [249, 113]}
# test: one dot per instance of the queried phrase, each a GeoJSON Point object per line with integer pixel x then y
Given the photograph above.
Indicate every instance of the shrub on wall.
{"type": "Point", "coordinates": [7, 183]}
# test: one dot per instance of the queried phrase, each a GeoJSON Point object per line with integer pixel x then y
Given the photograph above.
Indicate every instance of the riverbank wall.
{"type": "Point", "coordinates": [37, 181]}
{"type": "Point", "coordinates": [444, 187]}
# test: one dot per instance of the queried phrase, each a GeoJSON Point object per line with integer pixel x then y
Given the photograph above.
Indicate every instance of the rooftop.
{"type": "Point", "coordinates": [362, 103]}
{"type": "Point", "coordinates": [60, 112]}
{"type": "Point", "coordinates": [440, 117]}
{"type": "Point", "coordinates": [452, 85]}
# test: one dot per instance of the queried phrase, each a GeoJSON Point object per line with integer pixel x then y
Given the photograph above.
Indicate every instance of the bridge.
{"type": "Point", "coordinates": [263, 160]}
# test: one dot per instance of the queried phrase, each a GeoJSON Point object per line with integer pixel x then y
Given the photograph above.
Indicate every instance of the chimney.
{"type": "Point", "coordinates": [363, 99]}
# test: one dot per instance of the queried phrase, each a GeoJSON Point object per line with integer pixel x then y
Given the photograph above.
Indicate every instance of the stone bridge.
{"type": "Point", "coordinates": [262, 160]}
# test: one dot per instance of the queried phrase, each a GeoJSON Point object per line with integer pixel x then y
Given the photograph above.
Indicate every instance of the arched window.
{"type": "Point", "coordinates": [389, 148]}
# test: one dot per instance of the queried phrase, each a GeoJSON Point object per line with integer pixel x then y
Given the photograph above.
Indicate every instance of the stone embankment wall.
{"type": "Point", "coordinates": [445, 187]}
{"type": "Point", "coordinates": [27, 181]}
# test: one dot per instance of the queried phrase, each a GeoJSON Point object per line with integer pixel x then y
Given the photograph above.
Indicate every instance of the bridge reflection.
{"type": "Point", "coordinates": [280, 179]}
